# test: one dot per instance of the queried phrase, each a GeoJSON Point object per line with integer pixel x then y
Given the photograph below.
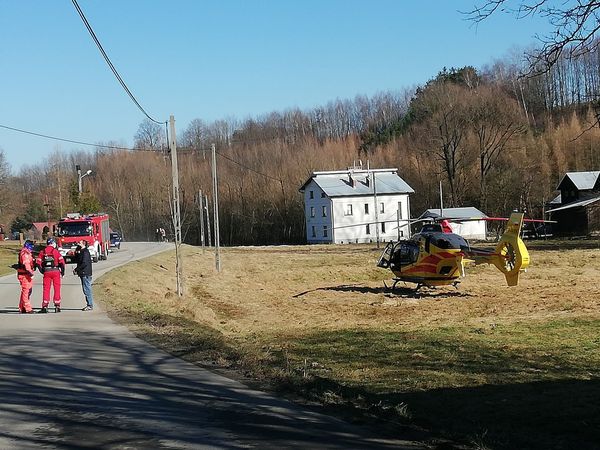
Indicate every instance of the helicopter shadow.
{"type": "Point", "coordinates": [362, 289]}
{"type": "Point", "coordinates": [402, 291]}
{"type": "Point", "coordinates": [406, 292]}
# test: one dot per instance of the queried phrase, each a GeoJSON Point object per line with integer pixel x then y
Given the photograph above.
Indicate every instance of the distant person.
{"type": "Point", "coordinates": [51, 263]}
{"type": "Point", "coordinates": [84, 271]}
{"type": "Point", "coordinates": [163, 235]}
{"type": "Point", "coordinates": [158, 235]}
{"type": "Point", "coordinates": [25, 269]}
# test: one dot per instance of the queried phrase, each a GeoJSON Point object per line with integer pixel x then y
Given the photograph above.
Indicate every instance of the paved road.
{"type": "Point", "coordinates": [78, 380]}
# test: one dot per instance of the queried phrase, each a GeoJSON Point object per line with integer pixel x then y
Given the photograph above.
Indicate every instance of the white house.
{"type": "Point", "coordinates": [356, 206]}
{"type": "Point", "coordinates": [472, 229]}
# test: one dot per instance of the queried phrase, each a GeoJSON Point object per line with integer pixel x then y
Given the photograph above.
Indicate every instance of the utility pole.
{"type": "Point", "coordinates": [206, 208]}
{"type": "Point", "coordinates": [176, 210]}
{"type": "Point", "coordinates": [376, 209]}
{"type": "Point", "coordinates": [216, 208]}
{"type": "Point", "coordinates": [60, 205]}
{"type": "Point", "coordinates": [201, 208]}
{"type": "Point", "coordinates": [78, 168]}
{"type": "Point", "coordinates": [441, 201]}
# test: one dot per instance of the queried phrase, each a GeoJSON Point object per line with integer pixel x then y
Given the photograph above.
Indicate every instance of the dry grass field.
{"type": "Point", "coordinates": [484, 365]}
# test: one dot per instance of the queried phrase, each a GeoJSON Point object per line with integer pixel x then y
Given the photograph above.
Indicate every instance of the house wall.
{"type": "Point", "coordinates": [352, 228]}
{"type": "Point", "coordinates": [321, 225]}
{"type": "Point", "coordinates": [470, 230]}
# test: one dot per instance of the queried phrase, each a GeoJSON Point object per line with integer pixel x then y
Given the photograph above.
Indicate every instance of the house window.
{"type": "Point", "coordinates": [312, 211]}
{"type": "Point", "coordinates": [348, 210]}
{"type": "Point", "coordinates": [399, 210]}
{"type": "Point", "coordinates": [381, 207]}
{"type": "Point", "coordinates": [311, 194]}
{"type": "Point", "coordinates": [314, 231]}
{"type": "Point", "coordinates": [368, 229]}
{"type": "Point", "coordinates": [324, 230]}
{"type": "Point", "coordinates": [383, 227]}
{"type": "Point", "coordinates": [323, 195]}
{"type": "Point", "coordinates": [366, 208]}
{"type": "Point", "coordinates": [324, 211]}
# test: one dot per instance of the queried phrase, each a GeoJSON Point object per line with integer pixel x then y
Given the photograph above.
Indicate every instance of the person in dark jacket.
{"type": "Point", "coordinates": [84, 271]}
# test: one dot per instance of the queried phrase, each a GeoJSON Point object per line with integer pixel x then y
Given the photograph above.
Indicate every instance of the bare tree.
{"type": "Point", "coordinates": [575, 27]}
{"type": "Point", "coordinates": [150, 136]}
{"type": "Point", "coordinates": [495, 121]}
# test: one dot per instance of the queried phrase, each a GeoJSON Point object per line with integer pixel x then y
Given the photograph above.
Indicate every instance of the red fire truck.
{"type": "Point", "coordinates": [93, 228]}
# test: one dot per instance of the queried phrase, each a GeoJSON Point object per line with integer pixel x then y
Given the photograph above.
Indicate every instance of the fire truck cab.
{"type": "Point", "coordinates": [93, 228]}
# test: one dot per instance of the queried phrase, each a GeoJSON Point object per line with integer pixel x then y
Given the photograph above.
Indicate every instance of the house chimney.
{"type": "Point", "coordinates": [350, 179]}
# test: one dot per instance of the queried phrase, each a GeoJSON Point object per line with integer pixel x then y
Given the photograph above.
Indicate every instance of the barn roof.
{"type": "Point", "coordinates": [582, 180]}
{"type": "Point", "coordinates": [338, 184]}
{"type": "Point", "coordinates": [575, 204]}
{"type": "Point", "coordinates": [468, 212]}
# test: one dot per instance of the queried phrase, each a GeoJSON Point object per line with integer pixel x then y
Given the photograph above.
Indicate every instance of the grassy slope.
{"type": "Point", "coordinates": [9, 251]}
{"type": "Point", "coordinates": [494, 366]}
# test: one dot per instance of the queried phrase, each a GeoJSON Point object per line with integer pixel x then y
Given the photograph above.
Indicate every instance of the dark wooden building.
{"type": "Point", "coordinates": [577, 208]}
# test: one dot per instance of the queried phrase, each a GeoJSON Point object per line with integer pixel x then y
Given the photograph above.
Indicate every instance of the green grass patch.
{"type": "Point", "coordinates": [9, 254]}
{"type": "Point", "coordinates": [533, 385]}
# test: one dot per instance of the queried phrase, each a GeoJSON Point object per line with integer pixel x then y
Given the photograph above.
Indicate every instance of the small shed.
{"type": "Point", "coordinates": [472, 229]}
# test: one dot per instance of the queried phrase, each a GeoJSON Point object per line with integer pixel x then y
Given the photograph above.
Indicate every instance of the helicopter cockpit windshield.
{"type": "Point", "coordinates": [406, 252]}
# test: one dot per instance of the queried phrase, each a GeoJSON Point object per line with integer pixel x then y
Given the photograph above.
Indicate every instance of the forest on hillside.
{"type": "Point", "coordinates": [495, 139]}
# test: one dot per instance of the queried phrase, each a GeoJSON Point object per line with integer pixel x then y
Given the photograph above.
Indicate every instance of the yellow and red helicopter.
{"type": "Point", "coordinates": [437, 257]}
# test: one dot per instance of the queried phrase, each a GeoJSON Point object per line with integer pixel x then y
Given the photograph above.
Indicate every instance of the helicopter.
{"type": "Point", "coordinates": [437, 257]}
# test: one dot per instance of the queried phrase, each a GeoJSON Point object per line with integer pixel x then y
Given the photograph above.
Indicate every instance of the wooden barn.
{"type": "Point", "coordinates": [577, 208]}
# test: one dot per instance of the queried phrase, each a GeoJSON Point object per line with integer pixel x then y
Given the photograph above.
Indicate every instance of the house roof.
{"type": "Point", "coordinates": [557, 200]}
{"type": "Point", "coordinates": [40, 225]}
{"type": "Point", "coordinates": [337, 183]}
{"type": "Point", "coordinates": [575, 204]}
{"type": "Point", "coordinates": [468, 212]}
{"type": "Point", "coordinates": [582, 180]}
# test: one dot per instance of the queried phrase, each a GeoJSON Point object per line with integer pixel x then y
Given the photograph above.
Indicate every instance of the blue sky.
{"type": "Point", "coordinates": [210, 60]}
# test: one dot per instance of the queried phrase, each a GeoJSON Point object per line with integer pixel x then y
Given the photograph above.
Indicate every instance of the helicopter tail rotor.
{"type": "Point", "coordinates": [511, 255]}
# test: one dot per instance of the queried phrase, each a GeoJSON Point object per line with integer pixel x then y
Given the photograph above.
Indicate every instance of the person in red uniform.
{"type": "Point", "coordinates": [52, 265]}
{"type": "Point", "coordinates": [25, 269]}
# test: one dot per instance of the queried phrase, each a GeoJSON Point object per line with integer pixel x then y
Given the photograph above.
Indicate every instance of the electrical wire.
{"type": "Point", "coordinates": [110, 64]}
{"type": "Point", "coordinates": [66, 140]}
{"type": "Point", "coordinates": [248, 168]}
{"type": "Point", "coordinates": [46, 136]}
{"type": "Point", "coordinates": [186, 150]}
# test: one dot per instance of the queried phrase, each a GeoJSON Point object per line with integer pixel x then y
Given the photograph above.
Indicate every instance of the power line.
{"type": "Point", "coordinates": [248, 168]}
{"type": "Point", "coordinates": [110, 64]}
{"type": "Point", "coordinates": [115, 147]}
{"type": "Point", "coordinates": [185, 150]}
{"type": "Point", "coordinates": [65, 140]}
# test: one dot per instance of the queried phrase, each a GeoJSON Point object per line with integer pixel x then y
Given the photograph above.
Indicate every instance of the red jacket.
{"type": "Point", "coordinates": [50, 259]}
{"type": "Point", "coordinates": [26, 266]}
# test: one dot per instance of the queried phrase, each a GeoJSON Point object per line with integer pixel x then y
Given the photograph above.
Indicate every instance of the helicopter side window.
{"type": "Point", "coordinates": [408, 253]}
{"type": "Point", "coordinates": [443, 243]}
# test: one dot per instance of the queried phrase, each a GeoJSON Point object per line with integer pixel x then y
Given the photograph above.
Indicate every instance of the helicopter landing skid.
{"type": "Point", "coordinates": [398, 280]}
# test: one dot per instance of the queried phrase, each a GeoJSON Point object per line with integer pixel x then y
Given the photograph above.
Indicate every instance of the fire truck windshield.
{"type": "Point", "coordinates": [74, 229]}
